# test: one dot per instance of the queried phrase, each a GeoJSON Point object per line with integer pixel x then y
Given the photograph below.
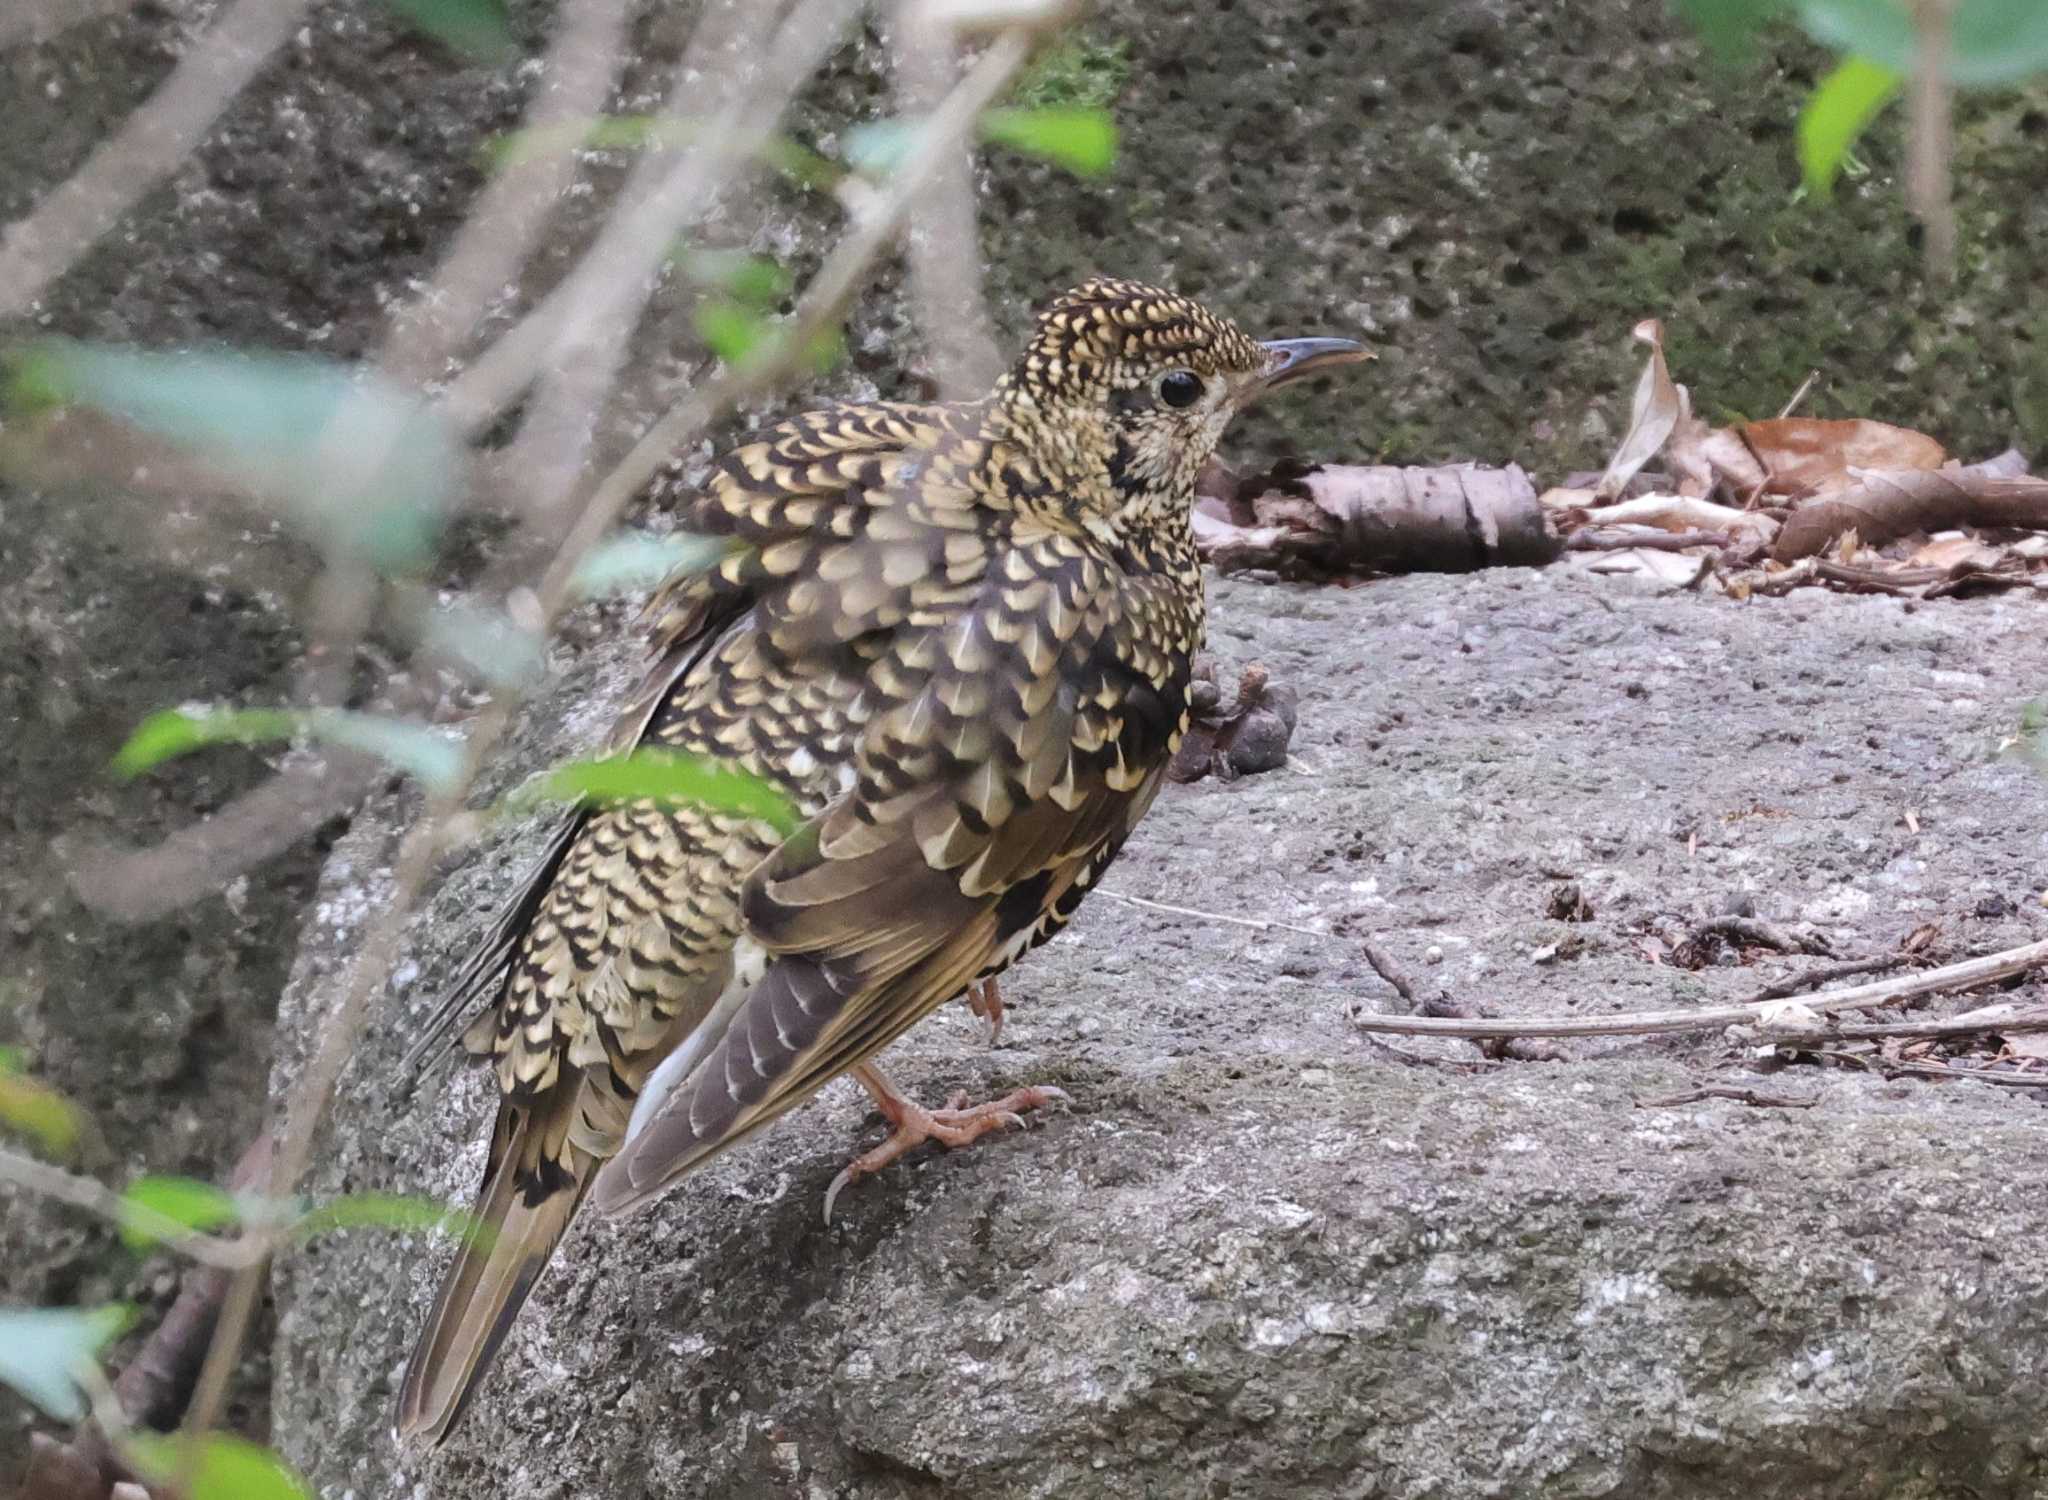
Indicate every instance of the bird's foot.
{"type": "Point", "coordinates": [957, 1124]}
{"type": "Point", "coordinates": [985, 999]}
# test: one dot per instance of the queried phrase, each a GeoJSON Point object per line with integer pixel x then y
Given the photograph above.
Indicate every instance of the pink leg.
{"type": "Point", "coordinates": [958, 1124]}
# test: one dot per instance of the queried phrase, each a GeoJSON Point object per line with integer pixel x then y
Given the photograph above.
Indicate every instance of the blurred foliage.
{"type": "Point", "coordinates": [221, 1467]}
{"type": "Point", "coordinates": [36, 1110]}
{"type": "Point", "coordinates": [661, 776]}
{"type": "Point", "coordinates": [360, 465]}
{"type": "Point", "coordinates": [46, 1351]}
{"type": "Point", "coordinates": [1990, 42]}
{"type": "Point", "coordinates": [433, 756]}
{"type": "Point", "coordinates": [1077, 72]}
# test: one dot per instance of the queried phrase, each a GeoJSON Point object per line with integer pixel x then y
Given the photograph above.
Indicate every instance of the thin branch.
{"type": "Point", "coordinates": [1728, 1091]}
{"type": "Point", "coordinates": [943, 240]}
{"type": "Point", "coordinates": [1931, 144]}
{"type": "Point", "coordinates": [1827, 974]}
{"type": "Point", "coordinates": [1957, 976]}
{"type": "Point", "coordinates": [579, 365]}
{"type": "Point", "coordinates": [576, 79]}
{"type": "Point", "coordinates": [38, 249]}
{"type": "Point", "coordinates": [97, 1198]}
{"type": "Point", "coordinates": [2001, 1020]}
{"type": "Point", "coordinates": [1257, 924]}
{"type": "Point", "coordinates": [824, 303]}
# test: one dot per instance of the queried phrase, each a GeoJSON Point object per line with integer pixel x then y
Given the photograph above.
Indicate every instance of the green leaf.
{"type": "Point", "coordinates": [183, 1200]}
{"type": "Point", "coordinates": [390, 1211]}
{"type": "Point", "coordinates": [226, 1468]}
{"type": "Point", "coordinates": [1991, 42]}
{"type": "Point", "coordinates": [663, 776]}
{"type": "Point", "coordinates": [363, 467]}
{"type": "Point", "coordinates": [43, 1350]}
{"type": "Point", "coordinates": [10, 1060]}
{"type": "Point", "coordinates": [500, 650]}
{"type": "Point", "coordinates": [1842, 107]}
{"type": "Point", "coordinates": [433, 756]}
{"type": "Point", "coordinates": [740, 336]}
{"type": "Point", "coordinates": [759, 281]}
{"type": "Point", "coordinates": [476, 28]}
{"type": "Point", "coordinates": [1729, 26]}
{"type": "Point", "coordinates": [639, 132]}
{"type": "Point", "coordinates": [638, 561]}
{"type": "Point", "coordinates": [734, 333]}
{"type": "Point", "coordinates": [36, 1110]}
{"type": "Point", "coordinates": [1081, 140]}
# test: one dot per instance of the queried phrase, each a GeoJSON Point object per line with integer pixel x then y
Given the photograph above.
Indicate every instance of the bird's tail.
{"type": "Point", "coordinates": [535, 1180]}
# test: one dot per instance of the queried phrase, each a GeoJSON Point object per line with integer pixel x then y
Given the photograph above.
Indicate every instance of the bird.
{"type": "Point", "coordinates": [959, 638]}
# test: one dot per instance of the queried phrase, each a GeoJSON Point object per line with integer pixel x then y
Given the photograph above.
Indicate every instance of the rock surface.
{"type": "Point", "coordinates": [1261, 1256]}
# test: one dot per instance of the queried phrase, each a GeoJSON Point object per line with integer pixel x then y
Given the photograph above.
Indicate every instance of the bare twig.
{"type": "Point", "coordinates": [943, 242]}
{"type": "Point", "coordinates": [1257, 924]}
{"type": "Point", "coordinates": [97, 1198]}
{"type": "Point", "coordinates": [824, 302]}
{"type": "Point", "coordinates": [2000, 1019]}
{"type": "Point", "coordinates": [1384, 966]}
{"type": "Point", "coordinates": [1929, 127]}
{"type": "Point", "coordinates": [1957, 976]}
{"type": "Point", "coordinates": [38, 249]}
{"type": "Point", "coordinates": [140, 885]}
{"type": "Point", "coordinates": [1792, 404]}
{"type": "Point", "coordinates": [1939, 1070]}
{"type": "Point", "coordinates": [576, 76]}
{"type": "Point", "coordinates": [1728, 1091]}
{"type": "Point", "coordinates": [1827, 973]}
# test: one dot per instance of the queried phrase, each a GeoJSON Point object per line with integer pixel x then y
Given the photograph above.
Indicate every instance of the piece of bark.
{"type": "Point", "coordinates": [1343, 518]}
{"type": "Point", "coordinates": [1888, 504]}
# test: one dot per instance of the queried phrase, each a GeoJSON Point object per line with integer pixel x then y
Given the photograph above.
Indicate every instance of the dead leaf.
{"type": "Point", "coordinates": [1733, 464]}
{"type": "Point", "coordinates": [1809, 456]}
{"type": "Point", "coordinates": [1886, 505]}
{"type": "Point", "coordinates": [1657, 407]}
{"type": "Point", "coordinates": [1951, 548]}
{"type": "Point", "coordinates": [1684, 513]}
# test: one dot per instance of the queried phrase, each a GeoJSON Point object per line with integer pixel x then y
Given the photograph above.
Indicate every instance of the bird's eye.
{"type": "Point", "coordinates": [1180, 388]}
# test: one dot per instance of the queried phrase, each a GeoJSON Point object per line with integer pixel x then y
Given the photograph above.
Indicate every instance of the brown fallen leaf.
{"type": "Point", "coordinates": [1657, 408]}
{"type": "Point", "coordinates": [1884, 506]}
{"type": "Point", "coordinates": [1810, 456]}
{"type": "Point", "coordinates": [1952, 547]}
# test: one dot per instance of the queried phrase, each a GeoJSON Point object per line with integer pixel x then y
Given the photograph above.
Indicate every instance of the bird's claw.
{"type": "Point", "coordinates": [956, 1124]}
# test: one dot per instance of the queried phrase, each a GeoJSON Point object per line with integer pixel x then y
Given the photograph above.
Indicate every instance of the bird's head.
{"type": "Point", "coordinates": [1124, 390]}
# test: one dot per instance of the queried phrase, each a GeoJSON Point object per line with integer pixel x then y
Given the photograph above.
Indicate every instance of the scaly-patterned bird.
{"type": "Point", "coordinates": [959, 637]}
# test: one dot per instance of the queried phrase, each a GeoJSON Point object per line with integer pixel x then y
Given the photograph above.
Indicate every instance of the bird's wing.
{"type": "Point", "coordinates": [775, 487]}
{"type": "Point", "coordinates": [1031, 736]}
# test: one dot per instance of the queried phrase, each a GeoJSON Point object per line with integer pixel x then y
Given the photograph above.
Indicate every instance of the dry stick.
{"type": "Point", "coordinates": [1825, 973]}
{"type": "Point", "coordinates": [1979, 1075]}
{"type": "Point", "coordinates": [824, 301]}
{"type": "Point", "coordinates": [945, 262]}
{"type": "Point", "coordinates": [38, 249]}
{"type": "Point", "coordinates": [1728, 1091]}
{"type": "Point", "coordinates": [1799, 395]}
{"type": "Point", "coordinates": [314, 1090]}
{"type": "Point", "coordinates": [1257, 924]}
{"type": "Point", "coordinates": [579, 366]}
{"type": "Point", "coordinates": [662, 194]}
{"type": "Point", "coordinates": [1964, 975]}
{"type": "Point", "coordinates": [96, 1197]}
{"type": "Point", "coordinates": [1931, 143]}
{"type": "Point", "coordinates": [575, 80]}
{"type": "Point", "coordinates": [1976, 1023]}
{"type": "Point", "coordinates": [1594, 539]}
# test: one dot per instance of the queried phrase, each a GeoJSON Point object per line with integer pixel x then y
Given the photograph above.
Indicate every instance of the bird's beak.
{"type": "Point", "coordinates": [1294, 358]}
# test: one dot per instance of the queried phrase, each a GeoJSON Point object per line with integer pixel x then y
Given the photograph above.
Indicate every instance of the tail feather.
{"type": "Point", "coordinates": [500, 1260]}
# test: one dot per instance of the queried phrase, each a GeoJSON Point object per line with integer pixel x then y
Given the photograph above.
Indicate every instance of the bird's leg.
{"type": "Point", "coordinates": [985, 999]}
{"type": "Point", "coordinates": [912, 1124]}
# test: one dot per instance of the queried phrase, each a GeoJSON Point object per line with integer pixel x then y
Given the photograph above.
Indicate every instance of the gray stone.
{"type": "Point", "coordinates": [1262, 1255]}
